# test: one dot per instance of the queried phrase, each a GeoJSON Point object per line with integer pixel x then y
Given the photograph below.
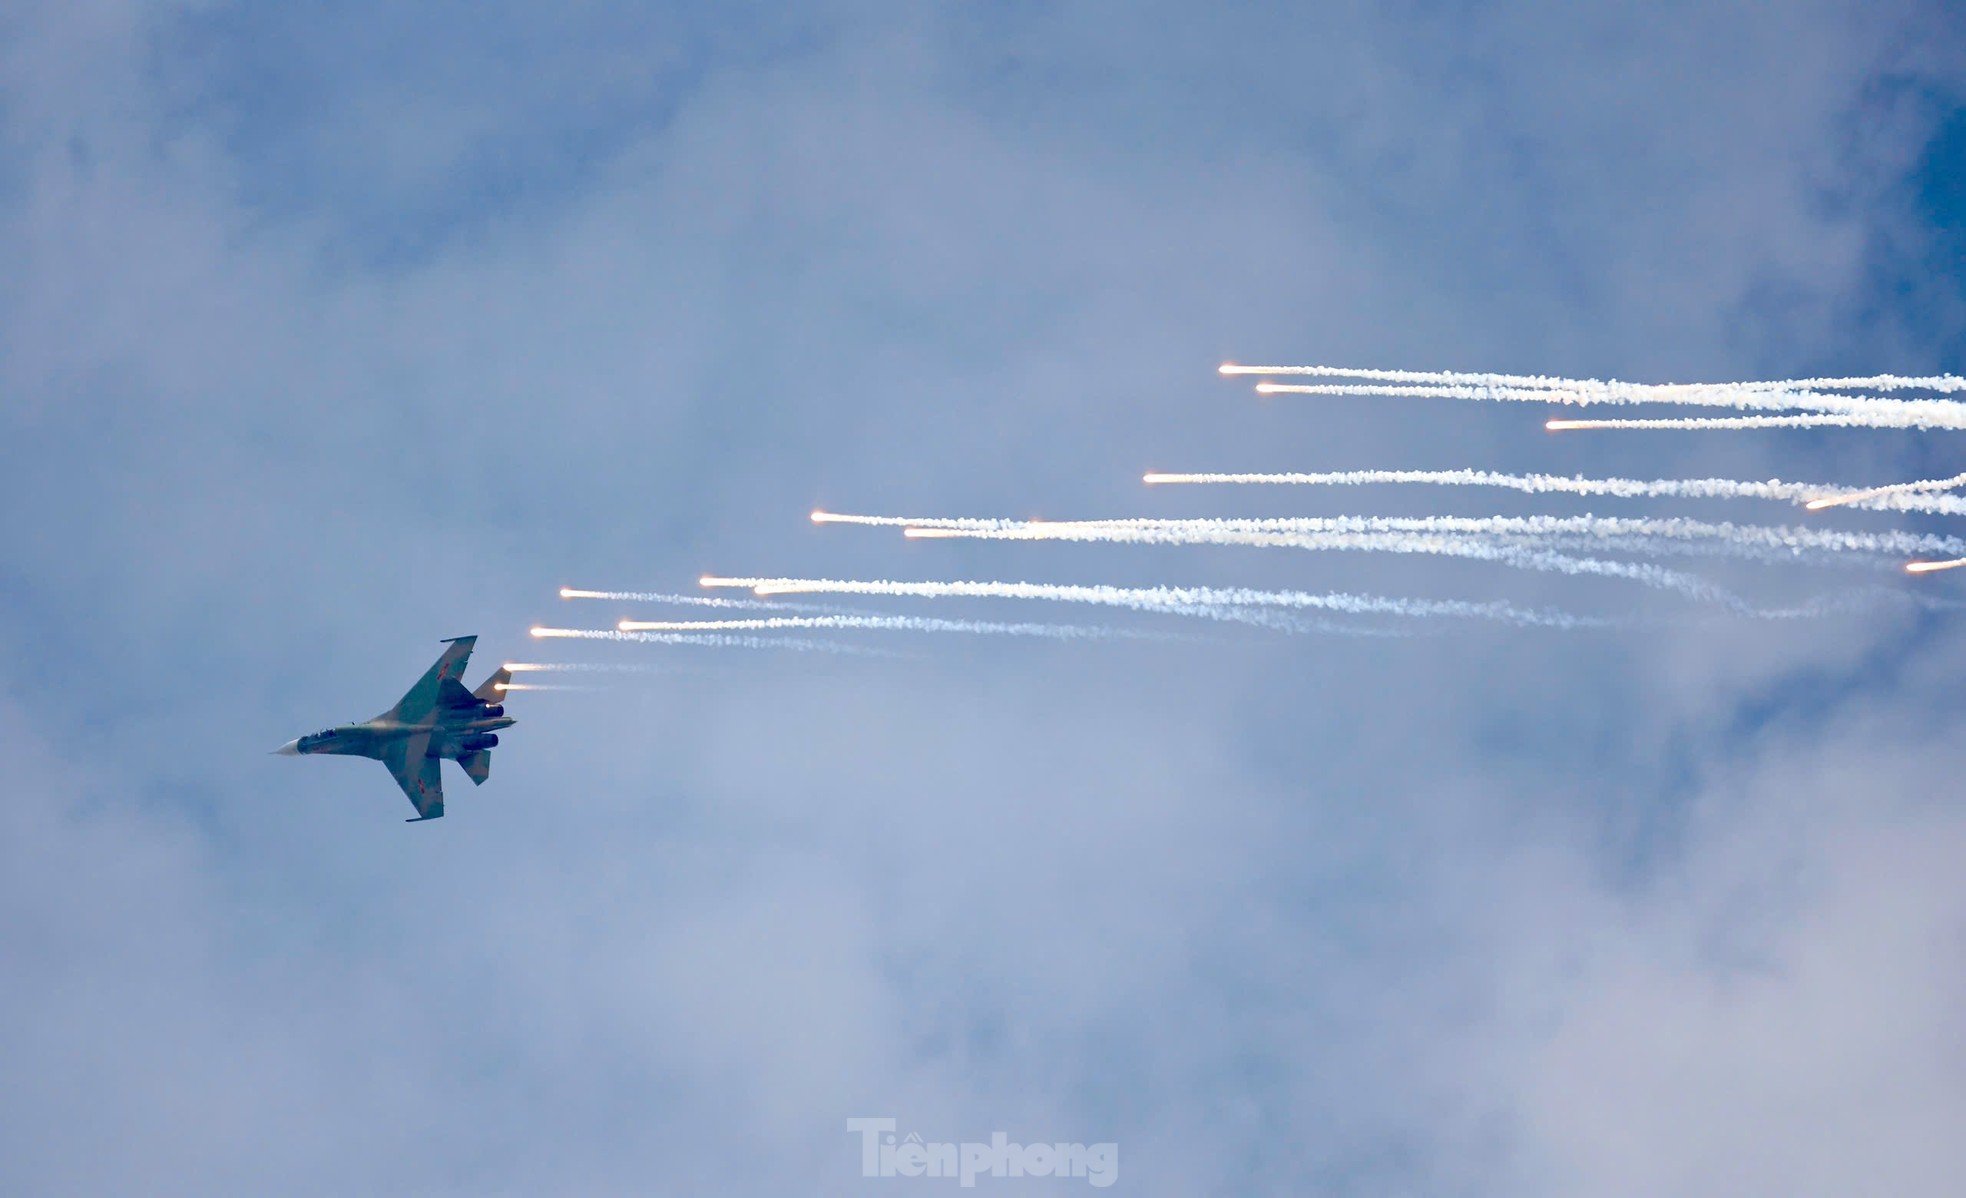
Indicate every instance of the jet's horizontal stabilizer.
{"type": "Point", "coordinates": [477, 764]}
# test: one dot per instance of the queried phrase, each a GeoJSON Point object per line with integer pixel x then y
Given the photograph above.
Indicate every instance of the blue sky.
{"type": "Point", "coordinates": [327, 331]}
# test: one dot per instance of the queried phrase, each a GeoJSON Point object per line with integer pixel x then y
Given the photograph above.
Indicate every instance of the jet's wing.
{"type": "Point", "coordinates": [416, 772]}
{"type": "Point", "coordinates": [420, 703]}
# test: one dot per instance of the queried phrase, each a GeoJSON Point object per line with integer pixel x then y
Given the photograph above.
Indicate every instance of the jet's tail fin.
{"type": "Point", "coordinates": [493, 690]}
{"type": "Point", "coordinates": [477, 764]}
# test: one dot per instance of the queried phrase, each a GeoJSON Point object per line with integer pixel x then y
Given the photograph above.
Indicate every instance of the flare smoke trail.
{"type": "Point", "coordinates": [1521, 542]}
{"type": "Point", "coordinates": [995, 528]}
{"type": "Point", "coordinates": [1862, 601]}
{"type": "Point", "coordinates": [1222, 602]}
{"type": "Point", "coordinates": [900, 624]}
{"type": "Point", "coordinates": [1520, 557]}
{"type": "Point", "coordinates": [1928, 567]}
{"type": "Point", "coordinates": [1607, 531]}
{"type": "Point", "coordinates": [1524, 542]}
{"type": "Point", "coordinates": [1899, 495]}
{"type": "Point", "coordinates": [1283, 621]}
{"type": "Point", "coordinates": [1654, 547]}
{"type": "Point", "coordinates": [1710, 397]}
{"type": "Point", "coordinates": [1902, 497]}
{"type": "Point", "coordinates": [1737, 423]}
{"type": "Point", "coordinates": [686, 600]}
{"type": "Point", "coordinates": [1209, 602]}
{"type": "Point", "coordinates": [584, 667]}
{"type": "Point", "coordinates": [1062, 632]}
{"type": "Point", "coordinates": [1863, 410]}
{"type": "Point", "coordinates": [1809, 395]}
{"type": "Point", "coordinates": [712, 640]}
{"type": "Point", "coordinates": [924, 522]}
{"type": "Point", "coordinates": [1875, 382]}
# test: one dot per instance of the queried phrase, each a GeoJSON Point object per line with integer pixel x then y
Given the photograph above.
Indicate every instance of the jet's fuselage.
{"type": "Point", "coordinates": [366, 739]}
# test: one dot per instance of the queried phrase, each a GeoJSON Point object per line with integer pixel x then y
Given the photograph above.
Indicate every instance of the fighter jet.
{"type": "Point", "coordinates": [437, 719]}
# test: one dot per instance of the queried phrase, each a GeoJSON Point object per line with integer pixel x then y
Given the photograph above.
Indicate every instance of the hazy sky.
{"type": "Point", "coordinates": [330, 330]}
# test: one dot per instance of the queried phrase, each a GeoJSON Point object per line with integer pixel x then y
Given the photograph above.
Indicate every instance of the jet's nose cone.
{"type": "Point", "coordinates": [290, 749]}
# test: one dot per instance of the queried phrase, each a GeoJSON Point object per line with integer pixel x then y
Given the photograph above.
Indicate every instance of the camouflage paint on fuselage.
{"type": "Point", "coordinates": [437, 719]}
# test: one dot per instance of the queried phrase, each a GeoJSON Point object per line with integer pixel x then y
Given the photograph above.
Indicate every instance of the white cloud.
{"type": "Point", "coordinates": [1492, 913]}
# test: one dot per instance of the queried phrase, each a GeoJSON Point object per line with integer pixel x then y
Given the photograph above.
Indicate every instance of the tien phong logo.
{"type": "Point", "coordinates": [884, 1154]}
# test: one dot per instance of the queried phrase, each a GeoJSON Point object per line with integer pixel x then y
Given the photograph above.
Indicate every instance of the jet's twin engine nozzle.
{"type": "Point", "coordinates": [493, 711]}
{"type": "Point", "coordinates": [483, 740]}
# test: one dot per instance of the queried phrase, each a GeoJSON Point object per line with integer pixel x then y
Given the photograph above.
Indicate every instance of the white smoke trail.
{"type": "Point", "coordinates": [1833, 410]}
{"type": "Point", "coordinates": [1208, 602]}
{"type": "Point", "coordinates": [1583, 395]}
{"type": "Point", "coordinates": [1520, 542]}
{"type": "Point", "coordinates": [586, 667]}
{"type": "Point", "coordinates": [1297, 625]}
{"type": "Point", "coordinates": [542, 686]}
{"type": "Point", "coordinates": [1902, 497]}
{"type": "Point", "coordinates": [1713, 423]}
{"type": "Point", "coordinates": [1227, 602]}
{"type": "Point", "coordinates": [683, 600]}
{"type": "Point", "coordinates": [1667, 547]}
{"type": "Point", "coordinates": [992, 528]}
{"type": "Point", "coordinates": [1880, 382]}
{"type": "Point", "coordinates": [1521, 557]}
{"type": "Point", "coordinates": [925, 522]}
{"type": "Point", "coordinates": [1737, 423]}
{"type": "Point", "coordinates": [1606, 529]}
{"type": "Point", "coordinates": [1542, 555]}
{"type": "Point", "coordinates": [1945, 383]}
{"type": "Point", "coordinates": [1899, 493]}
{"type": "Point", "coordinates": [1495, 539]}
{"type": "Point", "coordinates": [1571, 395]}
{"type": "Point", "coordinates": [1865, 600]}
{"type": "Point", "coordinates": [888, 624]}
{"type": "Point", "coordinates": [1242, 605]}
{"type": "Point", "coordinates": [713, 640]}
{"type": "Point", "coordinates": [1441, 378]}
